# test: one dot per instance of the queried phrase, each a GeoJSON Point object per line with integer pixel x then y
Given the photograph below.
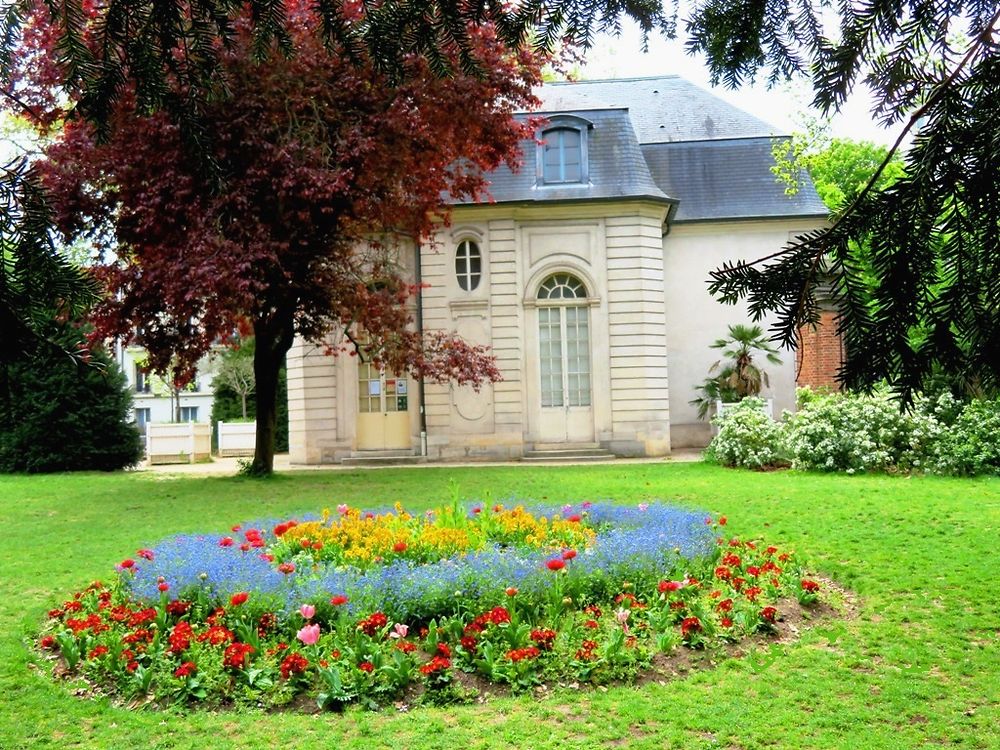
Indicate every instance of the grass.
{"type": "Point", "coordinates": [919, 666]}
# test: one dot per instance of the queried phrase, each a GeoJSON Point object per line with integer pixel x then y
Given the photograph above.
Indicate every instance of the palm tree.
{"type": "Point", "coordinates": [736, 375]}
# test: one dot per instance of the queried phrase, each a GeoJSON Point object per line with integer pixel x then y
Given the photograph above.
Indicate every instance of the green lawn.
{"type": "Point", "coordinates": [919, 666]}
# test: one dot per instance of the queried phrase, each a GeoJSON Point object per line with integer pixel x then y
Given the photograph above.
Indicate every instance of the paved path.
{"type": "Point", "coordinates": [230, 466]}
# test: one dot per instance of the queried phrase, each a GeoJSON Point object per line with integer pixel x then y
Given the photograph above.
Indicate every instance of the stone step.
{"type": "Point", "coordinates": [568, 455]}
{"type": "Point", "coordinates": [566, 446]}
{"type": "Point", "coordinates": [382, 458]}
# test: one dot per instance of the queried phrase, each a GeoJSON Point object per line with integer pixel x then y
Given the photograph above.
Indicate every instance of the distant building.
{"type": "Point", "coordinates": [156, 400]}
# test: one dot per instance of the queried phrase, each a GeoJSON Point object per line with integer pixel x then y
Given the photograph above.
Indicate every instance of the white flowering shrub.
{"type": "Point", "coordinates": [971, 445]}
{"type": "Point", "coordinates": [846, 432]}
{"type": "Point", "coordinates": [747, 437]}
{"type": "Point", "coordinates": [855, 433]}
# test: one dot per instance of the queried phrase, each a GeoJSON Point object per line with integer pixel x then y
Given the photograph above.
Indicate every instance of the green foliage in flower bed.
{"type": "Point", "coordinates": [852, 433]}
{"type": "Point", "coordinates": [596, 612]}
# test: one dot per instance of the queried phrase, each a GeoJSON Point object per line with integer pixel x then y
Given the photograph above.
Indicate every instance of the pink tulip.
{"type": "Point", "coordinates": [342, 508]}
{"type": "Point", "coordinates": [307, 611]}
{"type": "Point", "coordinates": [399, 631]}
{"type": "Point", "coordinates": [308, 635]}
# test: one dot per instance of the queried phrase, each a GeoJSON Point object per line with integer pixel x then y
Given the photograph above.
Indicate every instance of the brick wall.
{"type": "Point", "coordinates": [820, 354]}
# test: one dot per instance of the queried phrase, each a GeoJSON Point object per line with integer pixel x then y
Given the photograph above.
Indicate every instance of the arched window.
{"type": "Point", "coordinates": [468, 265]}
{"type": "Point", "coordinates": [562, 156]}
{"type": "Point", "coordinates": [562, 286]}
{"type": "Point", "coordinates": [564, 341]}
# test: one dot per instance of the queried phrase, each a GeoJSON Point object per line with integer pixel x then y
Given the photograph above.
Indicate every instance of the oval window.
{"type": "Point", "coordinates": [468, 265]}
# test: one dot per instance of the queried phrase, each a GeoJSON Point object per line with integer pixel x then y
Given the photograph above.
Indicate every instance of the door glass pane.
{"type": "Point", "coordinates": [369, 388]}
{"type": "Point", "coordinates": [550, 356]}
{"type": "Point", "coordinates": [577, 356]}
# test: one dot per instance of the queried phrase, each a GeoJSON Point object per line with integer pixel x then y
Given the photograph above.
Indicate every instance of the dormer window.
{"type": "Point", "coordinates": [562, 153]}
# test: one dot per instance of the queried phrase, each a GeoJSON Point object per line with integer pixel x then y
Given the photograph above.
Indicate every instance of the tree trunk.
{"type": "Point", "coordinates": [243, 398]}
{"type": "Point", "coordinates": [273, 338]}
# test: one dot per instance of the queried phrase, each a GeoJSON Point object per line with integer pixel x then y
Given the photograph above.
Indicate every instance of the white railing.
{"type": "Point", "coordinates": [178, 442]}
{"type": "Point", "coordinates": [237, 438]}
{"type": "Point", "coordinates": [767, 407]}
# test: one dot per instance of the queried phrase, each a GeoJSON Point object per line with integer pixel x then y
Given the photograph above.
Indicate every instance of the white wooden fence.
{"type": "Point", "coordinates": [237, 438]}
{"type": "Point", "coordinates": [178, 442]}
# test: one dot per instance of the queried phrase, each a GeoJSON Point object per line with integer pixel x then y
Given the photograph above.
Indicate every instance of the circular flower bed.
{"type": "Point", "coordinates": [365, 606]}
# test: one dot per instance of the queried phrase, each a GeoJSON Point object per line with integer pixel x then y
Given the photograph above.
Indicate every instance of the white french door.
{"type": "Point", "coordinates": [565, 374]}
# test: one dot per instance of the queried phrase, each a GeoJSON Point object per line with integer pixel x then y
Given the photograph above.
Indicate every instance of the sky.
{"type": "Point", "coordinates": [622, 57]}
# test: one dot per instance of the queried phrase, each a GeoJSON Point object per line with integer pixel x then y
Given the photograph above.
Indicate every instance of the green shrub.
{"type": "Point", "coordinates": [972, 444]}
{"type": "Point", "coordinates": [747, 437]}
{"type": "Point", "coordinates": [60, 415]}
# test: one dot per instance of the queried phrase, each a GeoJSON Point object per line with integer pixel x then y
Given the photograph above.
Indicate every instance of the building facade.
{"type": "Point", "coordinates": [587, 275]}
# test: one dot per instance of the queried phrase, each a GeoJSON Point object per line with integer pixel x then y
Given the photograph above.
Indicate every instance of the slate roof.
{"type": "Point", "coordinates": [665, 108]}
{"type": "Point", "coordinates": [727, 179]}
{"type": "Point", "coordinates": [667, 139]}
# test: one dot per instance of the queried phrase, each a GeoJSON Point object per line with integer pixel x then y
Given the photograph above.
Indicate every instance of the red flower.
{"type": "Point", "coordinates": [592, 624]}
{"type": "Point", "coordinates": [499, 615]}
{"type": "Point", "coordinates": [127, 563]}
{"type": "Point", "coordinates": [575, 518]}
{"type": "Point", "coordinates": [435, 666]}
{"type": "Point", "coordinates": [236, 528]}
{"type": "Point", "coordinates": [366, 666]}
{"type": "Point", "coordinates": [294, 663]}
{"type": "Point", "coordinates": [722, 520]}
{"type": "Point", "coordinates": [267, 557]}
{"type": "Point", "coordinates": [145, 554]}
{"type": "Point", "coordinates": [690, 625]}
{"type": "Point", "coordinates": [726, 622]}
{"type": "Point", "coordinates": [399, 547]}
{"type": "Point", "coordinates": [568, 554]}
{"type": "Point", "coordinates": [468, 643]}
{"type": "Point", "coordinates": [237, 599]}
{"type": "Point", "coordinates": [338, 600]}
{"type": "Point", "coordinates": [178, 608]}
{"type": "Point", "coordinates": [216, 635]}
{"type": "Point", "coordinates": [163, 586]}
{"type": "Point", "coordinates": [725, 605]}
{"type": "Point", "coordinates": [97, 652]}
{"type": "Point", "coordinates": [510, 591]}
{"type": "Point", "coordinates": [406, 646]}
{"type": "Point", "coordinates": [544, 638]}
{"type": "Point", "coordinates": [753, 592]}
{"type": "Point", "coordinates": [723, 572]}
{"type": "Point", "coordinates": [444, 650]}
{"type": "Point", "coordinates": [519, 654]}
{"type": "Point", "coordinates": [47, 642]}
{"type": "Point", "coordinates": [768, 614]}
{"type": "Point", "coordinates": [180, 637]}
{"type": "Point", "coordinates": [810, 586]}
{"type": "Point", "coordinates": [185, 669]}
{"type": "Point", "coordinates": [770, 551]}
{"type": "Point", "coordinates": [555, 564]}
{"type": "Point", "coordinates": [235, 656]}
{"type": "Point", "coordinates": [226, 541]}
{"type": "Point", "coordinates": [373, 623]}
{"type": "Point", "coordinates": [286, 568]}
{"type": "Point", "coordinates": [667, 586]}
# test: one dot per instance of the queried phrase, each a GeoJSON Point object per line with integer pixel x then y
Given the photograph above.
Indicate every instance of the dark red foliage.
{"type": "Point", "coordinates": [329, 172]}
